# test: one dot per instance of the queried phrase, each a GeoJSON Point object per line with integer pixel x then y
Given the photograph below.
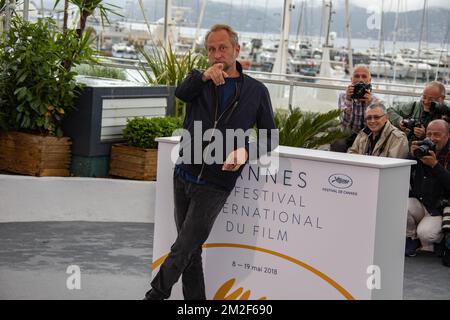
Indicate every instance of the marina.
{"type": "Point", "coordinates": [106, 226]}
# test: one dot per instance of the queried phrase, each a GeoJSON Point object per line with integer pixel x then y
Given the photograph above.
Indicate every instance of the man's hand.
{"type": "Point", "coordinates": [216, 74]}
{"type": "Point", "coordinates": [413, 148]}
{"type": "Point", "coordinates": [349, 92]}
{"type": "Point", "coordinates": [430, 160]}
{"type": "Point", "coordinates": [235, 159]}
{"type": "Point", "coordinates": [419, 132]}
{"type": "Point", "coordinates": [401, 125]}
{"type": "Point", "coordinates": [367, 99]}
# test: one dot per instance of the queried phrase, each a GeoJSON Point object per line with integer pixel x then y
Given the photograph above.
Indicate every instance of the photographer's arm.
{"type": "Point", "coordinates": [398, 113]}
{"type": "Point", "coordinates": [420, 132]}
{"type": "Point", "coordinates": [439, 172]}
{"type": "Point", "coordinates": [346, 107]}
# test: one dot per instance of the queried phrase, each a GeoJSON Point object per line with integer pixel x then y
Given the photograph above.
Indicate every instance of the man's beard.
{"type": "Point", "coordinates": [226, 66]}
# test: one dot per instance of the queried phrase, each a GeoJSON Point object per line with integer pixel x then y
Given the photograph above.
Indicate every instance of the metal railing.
{"type": "Point", "coordinates": [291, 80]}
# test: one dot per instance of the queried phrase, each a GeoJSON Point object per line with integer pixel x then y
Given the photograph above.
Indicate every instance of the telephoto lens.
{"type": "Point", "coordinates": [446, 219]}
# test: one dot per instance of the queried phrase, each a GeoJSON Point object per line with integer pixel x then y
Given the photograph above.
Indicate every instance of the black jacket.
{"type": "Point", "coordinates": [432, 185]}
{"type": "Point", "coordinates": [251, 105]}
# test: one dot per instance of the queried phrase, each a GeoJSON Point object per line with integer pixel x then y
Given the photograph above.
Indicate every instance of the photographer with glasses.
{"type": "Point", "coordinates": [429, 189]}
{"type": "Point", "coordinates": [380, 137]}
{"type": "Point", "coordinates": [353, 103]}
{"type": "Point", "coordinates": [414, 117]}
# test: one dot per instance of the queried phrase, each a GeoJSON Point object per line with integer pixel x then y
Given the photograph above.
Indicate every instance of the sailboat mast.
{"type": "Point", "coordinates": [394, 41]}
{"type": "Point", "coordinates": [330, 4]}
{"type": "Point", "coordinates": [281, 60]}
{"type": "Point", "coordinates": [199, 24]}
{"type": "Point", "coordinates": [349, 37]}
{"type": "Point", "coordinates": [381, 38]}
{"type": "Point", "coordinates": [420, 40]}
{"type": "Point", "coordinates": [167, 20]}
{"type": "Point", "coordinates": [299, 25]}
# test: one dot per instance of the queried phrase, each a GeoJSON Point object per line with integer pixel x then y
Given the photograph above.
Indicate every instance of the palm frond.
{"type": "Point", "coordinates": [308, 129]}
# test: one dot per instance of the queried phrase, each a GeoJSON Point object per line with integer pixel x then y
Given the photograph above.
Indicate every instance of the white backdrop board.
{"type": "Point", "coordinates": [324, 226]}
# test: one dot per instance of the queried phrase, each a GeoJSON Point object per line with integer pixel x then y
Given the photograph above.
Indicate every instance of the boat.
{"type": "Point", "coordinates": [124, 51]}
{"type": "Point", "coordinates": [387, 70]}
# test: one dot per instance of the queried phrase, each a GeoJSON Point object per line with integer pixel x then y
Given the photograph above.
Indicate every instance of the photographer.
{"type": "Point", "coordinates": [414, 117]}
{"type": "Point", "coordinates": [353, 103]}
{"type": "Point", "coordinates": [430, 188]}
{"type": "Point", "coordinates": [380, 138]}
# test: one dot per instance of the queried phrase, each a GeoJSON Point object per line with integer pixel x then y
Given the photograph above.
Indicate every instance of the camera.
{"type": "Point", "coordinates": [425, 146]}
{"type": "Point", "coordinates": [360, 89]}
{"type": "Point", "coordinates": [411, 123]}
{"type": "Point", "coordinates": [440, 108]}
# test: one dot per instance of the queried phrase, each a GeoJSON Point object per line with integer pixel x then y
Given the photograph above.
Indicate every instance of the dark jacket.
{"type": "Point", "coordinates": [251, 105]}
{"type": "Point", "coordinates": [432, 185]}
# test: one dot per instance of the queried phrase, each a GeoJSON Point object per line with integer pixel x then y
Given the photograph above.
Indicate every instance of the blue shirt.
{"type": "Point", "coordinates": [226, 93]}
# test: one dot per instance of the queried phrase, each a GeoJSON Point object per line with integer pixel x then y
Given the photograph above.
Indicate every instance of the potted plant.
{"type": "Point", "coordinates": [137, 158]}
{"type": "Point", "coordinates": [36, 92]}
{"type": "Point", "coordinates": [310, 130]}
{"type": "Point", "coordinates": [169, 69]}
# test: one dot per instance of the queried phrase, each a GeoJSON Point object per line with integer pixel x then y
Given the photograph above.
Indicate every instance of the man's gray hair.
{"type": "Point", "coordinates": [444, 124]}
{"type": "Point", "coordinates": [438, 85]}
{"type": "Point", "coordinates": [377, 105]}
{"type": "Point", "coordinates": [361, 66]}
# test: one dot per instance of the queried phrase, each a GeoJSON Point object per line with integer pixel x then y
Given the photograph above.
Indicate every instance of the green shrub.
{"type": "Point", "coordinates": [308, 129]}
{"type": "Point", "coordinates": [141, 132]}
{"type": "Point", "coordinates": [36, 90]}
{"type": "Point", "coordinates": [100, 71]}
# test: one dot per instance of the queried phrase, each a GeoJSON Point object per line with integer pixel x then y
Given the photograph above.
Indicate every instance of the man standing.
{"type": "Point", "coordinates": [414, 117]}
{"type": "Point", "coordinates": [380, 137]}
{"type": "Point", "coordinates": [353, 103]}
{"type": "Point", "coordinates": [430, 188]}
{"type": "Point", "coordinates": [219, 99]}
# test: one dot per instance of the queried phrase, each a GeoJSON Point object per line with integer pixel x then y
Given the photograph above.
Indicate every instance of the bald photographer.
{"type": "Point", "coordinates": [429, 190]}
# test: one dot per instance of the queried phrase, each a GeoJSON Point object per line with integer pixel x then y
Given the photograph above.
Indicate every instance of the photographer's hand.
{"type": "Point", "coordinates": [349, 92]}
{"type": "Point", "coordinates": [401, 125]}
{"type": "Point", "coordinates": [419, 132]}
{"type": "Point", "coordinates": [430, 160]}
{"type": "Point", "coordinates": [413, 148]}
{"type": "Point", "coordinates": [367, 98]}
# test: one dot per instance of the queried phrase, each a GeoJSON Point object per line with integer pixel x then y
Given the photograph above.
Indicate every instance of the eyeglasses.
{"type": "Point", "coordinates": [376, 118]}
{"type": "Point", "coordinates": [430, 98]}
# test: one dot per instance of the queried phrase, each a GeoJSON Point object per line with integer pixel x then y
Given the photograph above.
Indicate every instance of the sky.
{"type": "Point", "coordinates": [389, 5]}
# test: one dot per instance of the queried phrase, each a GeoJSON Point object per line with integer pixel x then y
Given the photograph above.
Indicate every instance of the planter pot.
{"type": "Point", "coordinates": [35, 155]}
{"type": "Point", "coordinates": [133, 163]}
{"type": "Point", "coordinates": [103, 108]}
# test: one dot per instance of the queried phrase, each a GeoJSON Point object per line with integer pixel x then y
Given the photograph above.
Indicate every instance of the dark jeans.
{"type": "Point", "coordinates": [196, 209]}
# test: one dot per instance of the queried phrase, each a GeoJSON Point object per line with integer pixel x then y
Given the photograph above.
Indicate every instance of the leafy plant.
{"type": "Point", "coordinates": [168, 69]}
{"type": "Point", "coordinates": [141, 132]}
{"type": "Point", "coordinates": [86, 8]}
{"type": "Point", "coordinates": [100, 71]}
{"type": "Point", "coordinates": [308, 129]}
{"type": "Point", "coordinates": [36, 90]}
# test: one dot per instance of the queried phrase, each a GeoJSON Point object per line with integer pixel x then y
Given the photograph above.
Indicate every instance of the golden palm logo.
{"type": "Point", "coordinates": [223, 292]}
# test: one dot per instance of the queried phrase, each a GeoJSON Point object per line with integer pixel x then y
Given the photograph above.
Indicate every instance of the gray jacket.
{"type": "Point", "coordinates": [392, 143]}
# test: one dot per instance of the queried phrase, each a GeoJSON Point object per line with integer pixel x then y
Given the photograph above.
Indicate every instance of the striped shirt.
{"type": "Point", "coordinates": [355, 120]}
